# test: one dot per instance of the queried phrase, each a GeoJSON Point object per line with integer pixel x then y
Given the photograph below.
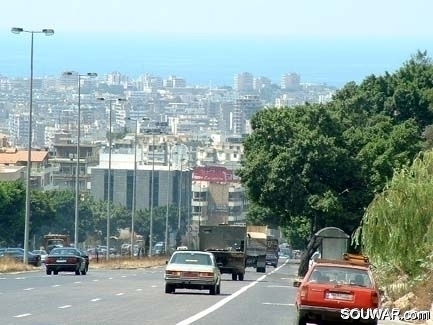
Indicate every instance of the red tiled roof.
{"type": "Point", "coordinates": [12, 158]}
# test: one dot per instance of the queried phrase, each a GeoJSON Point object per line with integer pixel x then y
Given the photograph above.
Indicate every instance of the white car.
{"type": "Point", "coordinates": [41, 252]}
{"type": "Point", "coordinates": [192, 270]}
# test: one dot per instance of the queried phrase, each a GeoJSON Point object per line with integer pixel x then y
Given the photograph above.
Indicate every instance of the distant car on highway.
{"type": "Point", "coordinates": [18, 255]}
{"type": "Point", "coordinates": [192, 270]}
{"type": "Point", "coordinates": [42, 253]}
{"type": "Point", "coordinates": [67, 259]}
{"type": "Point", "coordinates": [332, 285]}
{"type": "Point", "coordinates": [272, 259]}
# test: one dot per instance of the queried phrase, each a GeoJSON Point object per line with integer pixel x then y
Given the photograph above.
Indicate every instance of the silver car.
{"type": "Point", "coordinates": [192, 270]}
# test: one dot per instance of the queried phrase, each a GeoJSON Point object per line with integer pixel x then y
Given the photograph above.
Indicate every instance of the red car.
{"type": "Point", "coordinates": [332, 285]}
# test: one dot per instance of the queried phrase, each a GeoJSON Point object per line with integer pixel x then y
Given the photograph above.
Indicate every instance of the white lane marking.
{"type": "Point", "coordinates": [96, 299]}
{"type": "Point", "coordinates": [222, 302]}
{"type": "Point", "coordinates": [65, 306]}
{"type": "Point", "coordinates": [110, 278]}
{"type": "Point", "coordinates": [154, 286]}
{"type": "Point", "coordinates": [120, 294]}
{"type": "Point", "coordinates": [21, 278]}
{"type": "Point", "coordinates": [123, 276]}
{"type": "Point", "coordinates": [277, 304]}
{"type": "Point", "coordinates": [77, 282]}
{"type": "Point", "coordinates": [55, 285]}
{"type": "Point", "coordinates": [95, 280]}
{"type": "Point", "coordinates": [2, 278]}
{"type": "Point", "coordinates": [139, 290]}
{"type": "Point", "coordinates": [274, 286]}
{"type": "Point", "coordinates": [22, 315]}
{"type": "Point", "coordinates": [28, 289]}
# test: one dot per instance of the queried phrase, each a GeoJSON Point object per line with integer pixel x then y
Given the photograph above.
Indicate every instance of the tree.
{"type": "Point", "coordinates": [397, 227]}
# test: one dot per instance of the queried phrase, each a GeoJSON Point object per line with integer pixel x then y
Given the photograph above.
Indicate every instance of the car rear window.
{"type": "Point", "coordinates": [188, 258]}
{"type": "Point", "coordinates": [340, 275]}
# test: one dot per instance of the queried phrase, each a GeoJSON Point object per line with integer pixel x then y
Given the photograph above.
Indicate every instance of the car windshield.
{"type": "Point", "coordinates": [191, 258]}
{"type": "Point", "coordinates": [340, 275]}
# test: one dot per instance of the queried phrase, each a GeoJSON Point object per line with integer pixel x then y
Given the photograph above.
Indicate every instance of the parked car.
{"type": "Point", "coordinates": [42, 253]}
{"type": "Point", "coordinates": [18, 255]}
{"type": "Point", "coordinates": [332, 285]}
{"type": "Point", "coordinates": [192, 270]}
{"type": "Point", "coordinates": [271, 259]}
{"type": "Point", "coordinates": [67, 259]}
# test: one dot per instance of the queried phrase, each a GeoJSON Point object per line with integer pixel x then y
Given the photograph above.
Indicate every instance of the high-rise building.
{"type": "Point", "coordinates": [290, 81]}
{"type": "Point", "coordinates": [244, 108]}
{"type": "Point", "coordinates": [243, 82]}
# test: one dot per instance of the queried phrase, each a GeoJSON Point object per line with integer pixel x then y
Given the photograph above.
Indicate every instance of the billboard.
{"type": "Point", "coordinates": [214, 174]}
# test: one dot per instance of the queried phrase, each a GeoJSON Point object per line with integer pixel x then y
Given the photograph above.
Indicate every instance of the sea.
{"type": "Point", "coordinates": [208, 60]}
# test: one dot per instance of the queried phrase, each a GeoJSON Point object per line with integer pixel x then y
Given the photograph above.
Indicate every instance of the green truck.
{"type": "Point", "coordinates": [227, 243]}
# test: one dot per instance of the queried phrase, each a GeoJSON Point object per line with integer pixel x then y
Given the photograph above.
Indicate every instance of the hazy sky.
{"type": "Point", "coordinates": [319, 18]}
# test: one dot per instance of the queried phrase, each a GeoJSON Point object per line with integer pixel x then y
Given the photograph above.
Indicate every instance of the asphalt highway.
{"type": "Point", "coordinates": [137, 297]}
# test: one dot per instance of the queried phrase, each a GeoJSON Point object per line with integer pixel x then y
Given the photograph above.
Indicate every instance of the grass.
{"type": "Point", "coordinates": [8, 265]}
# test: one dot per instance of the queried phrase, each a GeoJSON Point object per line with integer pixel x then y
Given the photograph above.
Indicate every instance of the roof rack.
{"type": "Point", "coordinates": [351, 259]}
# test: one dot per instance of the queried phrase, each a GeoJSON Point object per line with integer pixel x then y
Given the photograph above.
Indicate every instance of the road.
{"type": "Point", "coordinates": [137, 297]}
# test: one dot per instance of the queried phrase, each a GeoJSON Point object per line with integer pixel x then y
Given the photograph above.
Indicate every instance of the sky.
{"type": "Point", "coordinates": [265, 18]}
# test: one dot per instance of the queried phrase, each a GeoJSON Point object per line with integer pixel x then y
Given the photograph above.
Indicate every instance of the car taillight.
{"type": "Point", "coordinates": [49, 260]}
{"type": "Point", "coordinates": [206, 274]}
{"type": "Point", "coordinates": [173, 273]}
{"type": "Point", "coordinates": [303, 293]}
{"type": "Point", "coordinates": [72, 260]}
{"type": "Point", "coordinates": [374, 299]}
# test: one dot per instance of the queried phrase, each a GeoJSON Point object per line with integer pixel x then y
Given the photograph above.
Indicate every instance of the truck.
{"type": "Point", "coordinates": [227, 243]}
{"type": "Point", "coordinates": [261, 242]}
{"type": "Point", "coordinates": [56, 240]}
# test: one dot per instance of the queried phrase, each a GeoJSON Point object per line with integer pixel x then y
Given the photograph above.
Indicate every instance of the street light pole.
{"type": "Point", "coordinates": [152, 195]}
{"type": "Point", "coordinates": [48, 32]}
{"type": "Point", "coordinates": [168, 198]}
{"type": "Point", "coordinates": [77, 171]}
{"type": "Point", "coordinates": [110, 143]}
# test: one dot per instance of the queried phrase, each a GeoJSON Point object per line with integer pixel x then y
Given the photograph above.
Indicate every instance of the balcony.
{"type": "Point", "coordinates": [235, 203]}
{"type": "Point", "coordinates": [197, 202]}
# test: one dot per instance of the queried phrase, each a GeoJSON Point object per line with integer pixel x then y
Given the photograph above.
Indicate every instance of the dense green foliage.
{"type": "Point", "coordinates": [398, 226]}
{"type": "Point", "coordinates": [54, 211]}
{"type": "Point", "coordinates": [326, 162]}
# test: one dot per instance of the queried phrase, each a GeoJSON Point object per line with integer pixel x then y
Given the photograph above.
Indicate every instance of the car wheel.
{"type": "Point", "coordinates": [56, 272]}
{"type": "Point", "coordinates": [241, 277]}
{"type": "Point", "coordinates": [169, 288]}
{"type": "Point", "coordinates": [48, 271]}
{"type": "Point", "coordinates": [234, 276]}
{"type": "Point", "coordinates": [83, 272]}
{"type": "Point", "coordinates": [213, 289]}
{"type": "Point", "coordinates": [218, 289]}
{"type": "Point", "coordinates": [299, 320]}
{"type": "Point", "coordinates": [77, 272]}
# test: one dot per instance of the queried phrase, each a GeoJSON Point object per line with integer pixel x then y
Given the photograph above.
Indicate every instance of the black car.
{"type": "Point", "coordinates": [67, 259]}
{"type": "Point", "coordinates": [18, 255]}
{"type": "Point", "coordinates": [272, 259]}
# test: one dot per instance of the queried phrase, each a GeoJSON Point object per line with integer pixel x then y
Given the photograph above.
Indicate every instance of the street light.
{"type": "Point", "coordinates": [109, 170]}
{"type": "Point", "coordinates": [168, 196]}
{"type": "Point", "coordinates": [134, 183]}
{"type": "Point", "coordinates": [77, 172]}
{"type": "Point", "coordinates": [47, 32]}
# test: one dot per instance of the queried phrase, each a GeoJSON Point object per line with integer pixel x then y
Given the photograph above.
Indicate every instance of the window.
{"type": "Point", "coordinates": [340, 275]}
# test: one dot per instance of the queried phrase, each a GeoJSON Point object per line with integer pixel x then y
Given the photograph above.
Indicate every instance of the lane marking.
{"type": "Point", "coordinates": [55, 285]}
{"type": "Point", "coordinates": [77, 282]}
{"type": "Point", "coordinates": [65, 306]}
{"type": "Point", "coordinates": [2, 278]}
{"type": "Point", "coordinates": [28, 289]}
{"type": "Point", "coordinates": [139, 290]}
{"type": "Point", "coordinates": [21, 278]}
{"type": "Point", "coordinates": [22, 315]}
{"type": "Point", "coordinates": [123, 276]}
{"type": "Point", "coordinates": [95, 280]}
{"type": "Point", "coordinates": [120, 294]}
{"type": "Point", "coordinates": [110, 278]}
{"type": "Point", "coordinates": [274, 286]}
{"type": "Point", "coordinates": [154, 286]}
{"type": "Point", "coordinates": [277, 304]}
{"type": "Point", "coordinates": [224, 301]}
{"type": "Point", "coordinates": [96, 299]}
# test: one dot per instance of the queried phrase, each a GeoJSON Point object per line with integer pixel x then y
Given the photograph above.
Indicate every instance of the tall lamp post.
{"type": "Point", "coordinates": [134, 184]}
{"type": "Point", "coordinates": [77, 171]}
{"type": "Point", "coordinates": [110, 143]}
{"type": "Point", "coordinates": [168, 197]}
{"type": "Point", "coordinates": [47, 32]}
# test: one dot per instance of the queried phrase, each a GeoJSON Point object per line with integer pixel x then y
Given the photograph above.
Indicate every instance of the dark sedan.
{"type": "Point", "coordinates": [67, 259]}
{"type": "Point", "coordinates": [18, 255]}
